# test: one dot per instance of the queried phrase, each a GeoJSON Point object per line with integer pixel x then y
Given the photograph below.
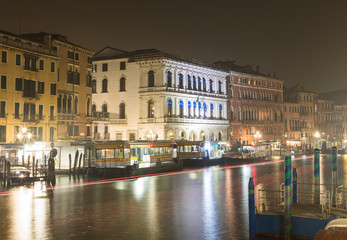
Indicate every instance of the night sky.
{"type": "Point", "coordinates": [304, 41]}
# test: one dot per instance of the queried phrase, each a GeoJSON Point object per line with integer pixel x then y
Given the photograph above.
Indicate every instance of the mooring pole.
{"type": "Point", "coordinates": [33, 166]}
{"type": "Point", "coordinates": [79, 163]}
{"type": "Point", "coordinates": [69, 164]}
{"type": "Point", "coordinates": [251, 208]}
{"type": "Point", "coordinates": [334, 174]}
{"type": "Point", "coordinates": [287, 198]}
{"type": "Point", "coordinates": [316, 176]}
{"type": "Point", "coordinates": [75, 162]}
{"type": "Point", "coordinates": [295, 186]}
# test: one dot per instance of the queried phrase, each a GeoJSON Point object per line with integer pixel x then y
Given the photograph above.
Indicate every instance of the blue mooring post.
{"type": "Point", "coordinates": [287, 198]}
{"type": "Point", "coordinates": [251, 208]}
{"type": "Point", "coordinates": [316, 176]}
{"type": "Point", "coordinates": [334, 174]}
{"type": "Point", "coordinates": [295, 186]}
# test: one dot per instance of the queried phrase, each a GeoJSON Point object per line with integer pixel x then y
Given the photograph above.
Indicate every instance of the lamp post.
{"type": "Point", "coordinates": [26, 137]}
{"type": "Point", "coordinates": [257, 136]}
{"type": "Point", "coordinates": [317, 136]}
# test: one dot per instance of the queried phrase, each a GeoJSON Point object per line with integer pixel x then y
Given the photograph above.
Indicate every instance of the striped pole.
{"type": "Point", "coordinates": [295, 186]}
{"type": "Point", "coordinates": [334, 174]}
{"type": "Point", "coordinates": [251, 208]}
{"type": "Point", "coordinates": [287, 197]}
{"type": "Point", "coordinates": [316, 176]}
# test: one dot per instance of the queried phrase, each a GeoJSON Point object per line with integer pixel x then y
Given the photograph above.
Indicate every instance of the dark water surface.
{"type": "Point", "coordinates": [204, 204]}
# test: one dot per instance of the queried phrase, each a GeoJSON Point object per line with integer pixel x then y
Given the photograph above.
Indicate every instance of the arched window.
{"type": "Point", "coordinates": [180, 81]}
{"type": "Point", "coordinates": [104, 108]}
{"type": "Point", "coordinates": [199, 83]}
{"type": "Point", "coordinates": [189, 109]}
{"type": "Point", "coordinates": [205, 110]}
{"type": "Point", "coordinates": [189, 83]}
{"type": "Point", "coordinates": [231, 113]}
{"type": "Point", "coordinates": [204, 84]}
{"type": "Point", "coordinates": [122, 111]}
{"type": "Point", "coordinates": [88, 107]}
{"type": "Point", "coordinates": [169, 105]}
{"type": "Point", "coordinates": [181, 108]}
{"type": "Point", "coordinates": [169, 79]}
{"type": "Point", "coordinates": [220, 111]}
{"type": "Point", "coordinates": [239, 114]}
{"type": "Point", "coordinates": [104, 85]}
{"type": "Point", "coordinates": [94, 86]}
{"type": "Point", "coordinates": [93, 108]}
{"type": "Point", "coordinates": [150, 78]}
{"type": "Point", "coordinates": [69, 103]}
{"type": "Point", "coordinates": [194, 83]}
{"type": "Point", "coordinates": [76, 105]}
{"type": "Point", "coordinates": [59, 103]}
{"type": "Point", "coordinates": [211, 86]}
{"type": "Point", "coordinates": [219, 136]}
{"type": "Point", "coordinates": [239, 94]}
{"type": "Point", "coordinates": [122, 84]}
{"type": "Point", "coordinates": [220, 87]}
{"type": "Point", "coordinates": [64, 104]}
{"type": "Point", "coordinates": [194, 106]}
{"type": "Point", "coordinates": [211, 110]}
{"type": "Point", "coordinates": [151, 109]}
{"type": "Point", "coordinates": [231, 93]}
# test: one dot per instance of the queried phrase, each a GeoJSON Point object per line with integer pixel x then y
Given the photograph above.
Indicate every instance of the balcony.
{"type": "Point", "coordinates": [261, 123]}
{"type": "Point", "coordinates": [30, 118]}
{"type": "Point", "coordinates": [66, 116]}
{"type": "Point", "coordinates": [174, 119]}
{"type": "Point", "coordinates": [100, 116]}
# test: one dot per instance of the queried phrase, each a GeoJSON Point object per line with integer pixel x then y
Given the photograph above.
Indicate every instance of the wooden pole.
{"type": "Point", "coordinates": [251, 209]}
{"type": "Point", "coordinates": [8, 173]}
{"type": "Point", "coordinates": [36, 166]}
{"type": "Point", "coordinates": [334, 174]}
{"type": "Point", "coordinates": [84, 164]}
{"type": "Point", "coordinates": [69, 164]}
{"type": "Point", "coordinates": [75, 163]}
{"type": "Point", "coordinates": [33, 167]}
{"type": "Point", "coordinates": [287, 198]}
{"type": "Point", "coordinates": [79, 163]}
{"type": "Point", "coordinates": [28, 166]}
{"type": "Point", "coordinates": [23, 160]}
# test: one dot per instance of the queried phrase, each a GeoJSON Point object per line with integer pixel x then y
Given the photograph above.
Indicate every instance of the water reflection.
{"type": "Point", "coordinates": [208, 204]}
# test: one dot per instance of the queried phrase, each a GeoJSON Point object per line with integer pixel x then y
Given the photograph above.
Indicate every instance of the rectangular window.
{"type": "Point", "coordinates": [2, 109]}
{"type": "Point", "coordinates": [19, 84]}
{"type": "Point", "coordinates": [104, 67]}
{"type": "Point", "coordinates": [41, 87]}
{"type": "Point", "coordinates": [70, 54]}
{"type": "Point", "coordinates": [77, 57]}
{"type": "Point", "coordinates": [2, 133]}
{"type": "Point", "coordinates": [40, 112]}
{"type": "Point", "coordinates": [51, 134]}
{"type": "Point", "coordinates": [131, 136]}
{"type": "Point", "coordinates": [3, 82]}
{"type": "Point", "coordinates": [52, 66]}
{"type": "Point", "coordinates": [3, 57]}
{"type": "Point", "coordinates": [42, 64]}
{"type": "Point", "coordinates": [88, 131]}
{"type": "Point", "coordinates": [76, 131]}
{"type": "Point", "coordinates": [29, 88]}
{"type": "Point", "coordinates": [122, 66]}
{"type": "Point", "coordinates": [51, 112]}
{"type": "Point", "coordinates": [40, 133]}
{"type": "Point", "coordinates": [18, 59]}
{"type": "Point", "coordinates": [90, 60]}
{"type": "Point", "coordinates": [95, 68]}
{"type": "Point", "coordinates": [16, 110]}
{"type": "Point", "coordinates": [53, 89]}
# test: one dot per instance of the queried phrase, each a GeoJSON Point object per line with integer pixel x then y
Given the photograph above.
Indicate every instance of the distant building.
{"type": "Point", "coordinates": [255, 106]}
{"type": "Point", "coordinates": [299, 117]}
{"type": "Point", "coordinates": [149, 94]}
{"type": "Point", "coordinates": [28, 97]}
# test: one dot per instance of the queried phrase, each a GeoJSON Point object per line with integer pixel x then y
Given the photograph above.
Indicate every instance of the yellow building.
{"type": "Point", "coordinates": [28, 97]}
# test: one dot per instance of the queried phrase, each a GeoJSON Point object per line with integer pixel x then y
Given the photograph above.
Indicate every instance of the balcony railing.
{"type": "Point", "coordinates": [66, 116]}
{"type": "Point", "coordinates": [175, 119]}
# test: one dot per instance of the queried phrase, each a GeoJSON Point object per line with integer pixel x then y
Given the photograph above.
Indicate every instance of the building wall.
{"type": "Point", "coordinates": [73, 125]}
{"type": "Point", "coordinates": [255, 106]}
{"type": "Point", "coordinates": [9, 70]}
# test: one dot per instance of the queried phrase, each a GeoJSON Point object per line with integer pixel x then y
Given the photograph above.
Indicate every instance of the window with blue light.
{"type": "Point", "coordinates": [180, 79]}
{"type": "Point", "coordinates": [189, 83]}
{"type": "Point", "coordinates": [169, 79]}
{"type": "Point", "coordinates": [194, 83]}
{"type": "Point", "coordinates": [181, 109]}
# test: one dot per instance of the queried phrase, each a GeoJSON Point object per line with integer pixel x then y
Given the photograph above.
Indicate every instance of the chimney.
{"type": "Point", "coordinates": [257, 67]}
{"type": "Point", "coordinates": [47, 40]}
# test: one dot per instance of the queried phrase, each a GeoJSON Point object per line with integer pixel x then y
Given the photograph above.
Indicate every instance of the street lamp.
{"type": "Point", "coordinates": [257, 136]}
{"type": "Point", "coordinates": [26, 137]}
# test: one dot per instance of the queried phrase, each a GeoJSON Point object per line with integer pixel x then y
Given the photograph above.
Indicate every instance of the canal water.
{"type": "Point", "coordinates": [210, 203]}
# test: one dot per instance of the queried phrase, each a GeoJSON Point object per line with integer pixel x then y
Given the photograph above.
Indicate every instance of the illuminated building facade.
{"type": "Point", "coordinates": [255, 106]}
{"type": "Point", "coordinates": [28, 102]}
{"type": "Point", "coordinates": [148, 94]}
{"type": "Point", "coordinates": [300, 116]}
